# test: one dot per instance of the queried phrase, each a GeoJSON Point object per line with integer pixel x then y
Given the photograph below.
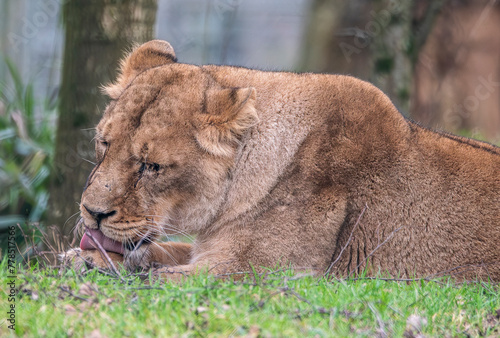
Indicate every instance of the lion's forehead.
{"type": "Point", "coordinates": [155, 140]}
{"type": "Point", "coordinates": [152, 116]}
{"type": "Point", "coordinates": [153, 103]}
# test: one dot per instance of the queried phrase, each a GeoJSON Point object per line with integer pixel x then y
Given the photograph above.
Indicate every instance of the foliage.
{"type": "Point", "coordinates": [26, 148]}
{"type": "Point", "coordinates": [57, 303]}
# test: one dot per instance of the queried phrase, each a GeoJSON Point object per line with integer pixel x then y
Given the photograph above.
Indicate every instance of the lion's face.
{"type": "Point", "coordinates": [165, 147]}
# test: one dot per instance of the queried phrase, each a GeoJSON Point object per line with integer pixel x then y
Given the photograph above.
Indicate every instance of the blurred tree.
{"type": "Point", "coordinates": [96, 35]}
{"type": "Point", "coordinates": [391, 31]}
{"type": "Point", "coordinates": [375, 40]}
{"type": "Point", "coordinates": [457, 76]}
{"type": "Point", "coordinates": [333, 42]}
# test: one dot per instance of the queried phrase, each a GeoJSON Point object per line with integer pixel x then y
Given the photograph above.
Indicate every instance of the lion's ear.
{"type": "Point", "coordinates": [229, 113]}
{"type": "Point", "coordinates": [148, 55]}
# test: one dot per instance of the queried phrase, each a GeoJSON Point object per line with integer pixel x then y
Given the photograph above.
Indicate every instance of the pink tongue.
{"type": "Point", "coordinates": [107, 243]}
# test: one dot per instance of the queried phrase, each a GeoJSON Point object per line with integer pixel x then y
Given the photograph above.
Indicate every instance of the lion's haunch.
{"type": "Point", "coordinates": [107, 243]}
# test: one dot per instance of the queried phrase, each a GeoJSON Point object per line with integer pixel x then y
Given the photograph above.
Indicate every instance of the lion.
{"type": "Point", "coordinates": [269, 169]}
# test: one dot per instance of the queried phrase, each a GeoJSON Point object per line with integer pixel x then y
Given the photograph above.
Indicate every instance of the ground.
{"type": "Point", "coordinates": [61, 302]}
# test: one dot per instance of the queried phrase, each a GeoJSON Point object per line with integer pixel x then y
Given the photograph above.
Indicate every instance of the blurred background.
{"type": "Point", "coordinates": [439, 61]}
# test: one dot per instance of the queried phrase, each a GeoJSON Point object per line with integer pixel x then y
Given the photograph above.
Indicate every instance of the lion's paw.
{"type": "Point", "coordinates": [138, 259]}
{"type": "Point", "coordinates": [82, 260]}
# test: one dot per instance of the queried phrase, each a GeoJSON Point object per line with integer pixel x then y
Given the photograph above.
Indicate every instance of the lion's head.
{"type": "Point", "coordinates": [165, 147]}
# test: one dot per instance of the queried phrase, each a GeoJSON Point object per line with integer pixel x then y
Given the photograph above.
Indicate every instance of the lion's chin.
{"type": "Point", "coordinates": [108, 244]}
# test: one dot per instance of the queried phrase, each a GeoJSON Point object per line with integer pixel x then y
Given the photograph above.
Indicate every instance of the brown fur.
{"type": "Point", "coordinates": [272, 168]}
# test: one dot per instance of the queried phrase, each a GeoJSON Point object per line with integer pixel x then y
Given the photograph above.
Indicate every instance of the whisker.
{"type": "Point", "coordinates": [131, 156]}
{"type": "Point", "coordinates": [162, 249]}
{"type": "Point", "coordinates": [78, 227]}
{"type": "Point", "coordinates": [70, 217]}
{"type": "Point", "coordinates": [176, 231]}
{"type": "Point", "coordinates": [89, 161]}
{"type": "Point", "coordinates": [164, 224]}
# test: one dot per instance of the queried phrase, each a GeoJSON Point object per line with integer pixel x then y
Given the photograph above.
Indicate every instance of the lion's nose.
{"type": "Point", "coordinates": [99, 215]}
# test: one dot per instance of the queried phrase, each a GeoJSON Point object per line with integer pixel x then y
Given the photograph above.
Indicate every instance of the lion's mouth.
{"type": "Point", "coordinates": [108, 244]}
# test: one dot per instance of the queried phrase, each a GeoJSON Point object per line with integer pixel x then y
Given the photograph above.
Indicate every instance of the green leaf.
{"type": "Point", "coordinates": [8, 220]}
{"type": "Point", "coordinates": [7, 133]}
{"type": "Point", "coordinates": [18, 82]}
{"type": "Point", "coordinates": [41, 205]}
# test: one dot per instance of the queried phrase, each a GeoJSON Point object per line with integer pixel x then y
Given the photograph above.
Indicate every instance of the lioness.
{"type": "Point", "coordinates": [272, 168]}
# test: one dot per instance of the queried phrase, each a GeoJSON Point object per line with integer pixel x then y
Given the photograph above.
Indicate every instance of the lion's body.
{"type": "Point", "coordinates": [306, 169]}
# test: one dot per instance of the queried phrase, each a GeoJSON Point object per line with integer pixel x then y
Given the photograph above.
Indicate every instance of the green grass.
{"type": "Point", "coordinates": [57, 303]}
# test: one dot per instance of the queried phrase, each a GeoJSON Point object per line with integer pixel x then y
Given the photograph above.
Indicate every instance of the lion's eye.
{"type": "Point", "coordinates": [100, 149]}
{"type": "Point", "coordinates": [153, 167]}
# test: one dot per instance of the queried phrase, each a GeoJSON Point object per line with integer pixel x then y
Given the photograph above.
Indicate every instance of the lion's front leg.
{"type": "Point", "coordinates": [218, 265]}
{"type": "Point", "coordinates": [221, 269]}
{"type": "Point", "coordinates": [161, 253]}
{"type": "Point", "coordinates": [87, 259]}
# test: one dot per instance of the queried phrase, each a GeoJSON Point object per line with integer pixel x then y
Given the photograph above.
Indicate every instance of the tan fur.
{"type": "Point", "coordinates": [166, 253]}
{"type": "Point", "coordinates": [270, 168]}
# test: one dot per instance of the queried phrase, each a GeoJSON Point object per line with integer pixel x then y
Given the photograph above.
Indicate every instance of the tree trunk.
{"type": "Point", "coordinates": [392, 67]}
{"type": "Point", "coordinates": [374, 40]}
{"type": "Point", "coordinates": [97, 35]}
{"type": "Point", "coordinates": [334, 41]}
